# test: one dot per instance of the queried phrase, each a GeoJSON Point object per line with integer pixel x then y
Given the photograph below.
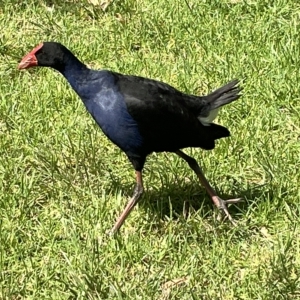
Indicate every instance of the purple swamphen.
{"type": "Point", "coordinates": [142, 115]}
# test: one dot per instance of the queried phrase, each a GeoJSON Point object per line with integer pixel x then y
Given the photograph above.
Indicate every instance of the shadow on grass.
{"type": "Point", "coordinates": [174, 201]}
{"type": "Point", "coordinates": [179, 200]}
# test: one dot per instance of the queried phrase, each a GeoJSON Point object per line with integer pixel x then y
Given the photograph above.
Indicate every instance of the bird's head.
{"type": "Point", "coordinates": [46, 54]}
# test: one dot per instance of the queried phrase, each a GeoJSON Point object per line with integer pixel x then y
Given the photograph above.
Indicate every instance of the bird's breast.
{"type": "Point", "coordinates": [109, 110]}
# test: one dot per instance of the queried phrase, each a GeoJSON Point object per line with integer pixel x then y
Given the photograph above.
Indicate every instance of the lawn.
{"type": "Point", "coordinates": [63, 183]}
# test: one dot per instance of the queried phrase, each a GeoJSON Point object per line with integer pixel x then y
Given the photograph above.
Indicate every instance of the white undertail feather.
{"type": "Point", "coordinates": [212, 115]}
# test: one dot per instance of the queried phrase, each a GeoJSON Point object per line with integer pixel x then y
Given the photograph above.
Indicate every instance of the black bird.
{"type": "Point", "coordinates": [142, 115]}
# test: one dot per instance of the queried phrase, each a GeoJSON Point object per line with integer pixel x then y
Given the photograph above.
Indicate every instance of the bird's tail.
{"type": "Point", "coordinates": [224, 95]}
{"type": "Point", "coordinates": [218, 98]}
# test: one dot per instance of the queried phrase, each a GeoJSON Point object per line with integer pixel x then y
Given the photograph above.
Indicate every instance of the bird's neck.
{"type": "Point", "coordinates": [75, 72]}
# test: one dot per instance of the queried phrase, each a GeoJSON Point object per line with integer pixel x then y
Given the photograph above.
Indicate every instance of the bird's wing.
{"type": "Point", "coordinates": [163, 115]}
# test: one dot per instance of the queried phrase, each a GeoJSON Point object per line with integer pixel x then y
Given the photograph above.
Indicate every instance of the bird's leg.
{"type": "Point", "coordinates": [138, 190]}
{"type": "Point", "coordinates": [220, 203]}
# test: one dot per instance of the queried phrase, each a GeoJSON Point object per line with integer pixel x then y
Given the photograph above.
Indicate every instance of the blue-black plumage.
{"type": "Point", "coordinates": [142, 115]}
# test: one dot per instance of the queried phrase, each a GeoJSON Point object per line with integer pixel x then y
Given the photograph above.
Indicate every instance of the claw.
{"type": "Point", "coordinates": [222, 206]}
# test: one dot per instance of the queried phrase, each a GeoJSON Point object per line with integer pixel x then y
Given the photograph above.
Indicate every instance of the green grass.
{"type": "Point", "coordinates": [63, 183]}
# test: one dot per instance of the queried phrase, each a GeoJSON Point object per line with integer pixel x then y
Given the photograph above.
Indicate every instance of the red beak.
{"type": "Point", "coordinates": [28, 61]}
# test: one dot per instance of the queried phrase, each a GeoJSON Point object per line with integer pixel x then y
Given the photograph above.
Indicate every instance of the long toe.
{"type": "Point", "coordinates": [231, 201]}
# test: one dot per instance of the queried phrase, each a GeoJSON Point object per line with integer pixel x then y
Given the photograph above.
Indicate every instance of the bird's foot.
{"type": "Point", "coordinates": [110, 232]}
{"type": "Point", "coordinates": [222, 206]}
